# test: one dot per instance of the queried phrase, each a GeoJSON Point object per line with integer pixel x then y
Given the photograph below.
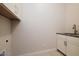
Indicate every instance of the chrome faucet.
{"type": "Point", "coordinates": [74, 27]}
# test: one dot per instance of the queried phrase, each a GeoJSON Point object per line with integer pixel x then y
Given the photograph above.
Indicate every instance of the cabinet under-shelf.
{"type": "Point", "coordinates": [4, 11]}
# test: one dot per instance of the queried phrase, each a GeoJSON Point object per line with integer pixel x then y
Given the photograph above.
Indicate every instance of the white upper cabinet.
{"type": "Point", "coordinates": [16, 8]}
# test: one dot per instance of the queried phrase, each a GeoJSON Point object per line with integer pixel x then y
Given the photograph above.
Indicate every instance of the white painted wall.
{"type": "Point", "coordinates": [71, 16]}
{"type": "Point", "coordinates": [37, 30]}
{"type": "Point", "coordinates": [38, 27]}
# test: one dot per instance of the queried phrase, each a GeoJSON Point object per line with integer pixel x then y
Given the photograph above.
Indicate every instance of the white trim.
{"type": "Point", "coordinates": [38, 52]}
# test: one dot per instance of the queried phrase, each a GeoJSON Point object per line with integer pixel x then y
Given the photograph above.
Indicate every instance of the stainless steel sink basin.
{"type": "Point", "coordinates": [76, 35]}
{"type": "Point", "coordinates": [70, 34]}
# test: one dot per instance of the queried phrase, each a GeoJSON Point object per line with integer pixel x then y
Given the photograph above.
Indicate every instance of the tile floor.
{"type": "Point", "coordinates": [49, 53]}
{"type": "Point", "coordinates": [54, 53]}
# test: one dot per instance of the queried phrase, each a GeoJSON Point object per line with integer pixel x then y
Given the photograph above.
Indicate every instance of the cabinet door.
{"type": "Point", "coordinates": [73, 46]}
{"type": "Point", "coordinates": [61, 43]}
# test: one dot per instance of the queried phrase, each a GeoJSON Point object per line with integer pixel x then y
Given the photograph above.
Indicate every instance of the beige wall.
{"type": "Point", "coordinates": [37, 30]}
{"type": "Point", "coordinates": [72, 16]}
{"type": "Point", "coordinates": [5, 34]}
{"type": "Point", "coordinates": [38, 27]}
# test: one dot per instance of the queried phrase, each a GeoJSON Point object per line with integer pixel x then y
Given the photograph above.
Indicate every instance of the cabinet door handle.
{"type": "Point", "coordinates": [65, 43]}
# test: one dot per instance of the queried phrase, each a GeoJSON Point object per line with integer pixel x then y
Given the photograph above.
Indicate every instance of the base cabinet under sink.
{"type": "Point", "coordinates": [73, 46]}
{"type": "Point", "coordinates": [68, 45]}
{"type": "Point", "coordinates": [61, 43]}
{"type": "Point", "coordinates": [72, 50]}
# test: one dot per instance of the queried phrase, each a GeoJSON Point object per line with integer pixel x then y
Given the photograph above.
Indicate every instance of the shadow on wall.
{"type": "Point", "coordinates": [14, 24]}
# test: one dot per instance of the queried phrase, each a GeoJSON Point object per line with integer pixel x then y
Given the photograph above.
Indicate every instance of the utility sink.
{"type": "Point", "coordinates": [77, 35]}
{"type": "Point", "coordinates": [70, 34]}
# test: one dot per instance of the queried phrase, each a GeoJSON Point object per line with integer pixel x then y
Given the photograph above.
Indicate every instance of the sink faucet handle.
{"type": "Point", "coordinates": [74, 27]}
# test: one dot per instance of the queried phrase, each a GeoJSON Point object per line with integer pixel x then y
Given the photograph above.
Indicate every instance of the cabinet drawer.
{"type": "Point", "coordinates": [62, 36]}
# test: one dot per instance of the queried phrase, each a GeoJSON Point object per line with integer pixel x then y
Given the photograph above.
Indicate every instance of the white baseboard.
{"type": "Point", "coordinates": [38, 53]}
